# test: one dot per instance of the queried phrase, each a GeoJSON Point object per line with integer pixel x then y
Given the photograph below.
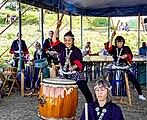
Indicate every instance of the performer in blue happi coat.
{"type": "Point", "coordinates": [15, 51]}
{"type": "Point", "coordinates": [70, 61]}
{"type": "Point", "coordinates": [102, 108]}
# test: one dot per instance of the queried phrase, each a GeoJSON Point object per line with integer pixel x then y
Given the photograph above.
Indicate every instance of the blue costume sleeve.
{"type": "Point", "coordinates": [14, 47]}
{"type": "Point", "coordinates": [139, 51]}
{"type": "Point", "coordinates": [24, 48]}
{"type": "Point", "coordinates": [117, 113]}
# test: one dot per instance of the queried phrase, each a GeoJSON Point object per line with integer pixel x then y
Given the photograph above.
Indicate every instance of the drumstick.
{"type": "Point", "coordinates": [117, 25]}
{"type": "Point", "coordinates": [86, 111]}
{"type": "Point", "coordinates": [62, 15]}
{"type": "Point", "coordinates": [59, 21]}
{"type": "Point", "coordinates": [112, 24]}
{"type": "Point", "coordinates": [69, 62]}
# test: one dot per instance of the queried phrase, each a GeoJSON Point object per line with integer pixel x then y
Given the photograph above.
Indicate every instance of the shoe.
{"type": "Point", "coordinates": [141, 97]}
{"type": "Point", "coordinates": [7, 90]}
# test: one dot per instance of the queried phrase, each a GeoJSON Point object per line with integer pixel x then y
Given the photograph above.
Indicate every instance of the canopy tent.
{"type": "Point", "coordinates": [101, 8]}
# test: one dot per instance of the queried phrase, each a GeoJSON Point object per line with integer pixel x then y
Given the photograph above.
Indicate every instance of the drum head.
{"type": "Point", "coordinates": [58, 81]}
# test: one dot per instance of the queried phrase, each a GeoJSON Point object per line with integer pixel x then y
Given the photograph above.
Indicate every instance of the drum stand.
{"type": "Point", "coordinates": [119, 99]}
{"type": "Point", "coordinates": [30, 93]}
{"type": "Point", "coordinates": [3, 79]}
{"type": "Point", "coordinates": [10, 77]}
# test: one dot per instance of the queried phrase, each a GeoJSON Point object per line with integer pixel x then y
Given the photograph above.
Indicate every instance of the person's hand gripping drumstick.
{"type": "Point", "coordinates": [71, 67]}
{"type": "Point", "coordinates": [113, 34]}
{"type": "Point", "coordinates": [111, 40]}
{"type": "Point", "coordinates": [123, 56]}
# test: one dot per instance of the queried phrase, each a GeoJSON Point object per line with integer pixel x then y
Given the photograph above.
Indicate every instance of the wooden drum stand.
{"type": "Point", "coordinates": [120, 86]}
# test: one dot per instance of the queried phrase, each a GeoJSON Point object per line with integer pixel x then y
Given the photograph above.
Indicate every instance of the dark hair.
{"type": "Point", "coordinates": [51, 31]}
{"type": "Point", "coordinates": [143, 44]}
{"type": "Point", "coordinates": [18, 34]}
{"type": "Point", "coordinates": [69, 33]}
{"type": "Point", "coordinates": [118, 38]}
{"type": "Point", "coordinates": [37, 44]}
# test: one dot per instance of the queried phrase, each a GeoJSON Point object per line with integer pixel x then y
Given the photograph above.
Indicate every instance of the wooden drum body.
{"type": "Point", "coordinates": [58, 98]}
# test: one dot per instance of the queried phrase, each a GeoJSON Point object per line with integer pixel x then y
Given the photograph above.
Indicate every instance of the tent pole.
{"type": "Point", "coordinates": [39, 20]}
{"type": "Point", "coordinates": [57, 22]}
{"type": "Point", "coordinates": [138, 30]}
{"type": "Point", "coordinates": [81, 31]}
{"type": "Point", "coordinates": [20, 49]}
{"type": "Point", "coordinates": [70, 22]}
{"type": "Point", "coordinates": [19, 25]}
{"type": "Point", "coordinates": [42, 32]}
{"type": "Point", "coordinates": [109, 28]}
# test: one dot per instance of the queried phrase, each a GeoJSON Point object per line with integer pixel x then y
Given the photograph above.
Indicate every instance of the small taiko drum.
{"type": "Point", "coordinates": [58, 98]}
{"type": "Point", "coordinates": [10, 70]}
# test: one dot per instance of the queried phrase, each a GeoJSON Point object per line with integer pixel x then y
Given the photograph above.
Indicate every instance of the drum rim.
{"type": "Point", "coordinates": [65, 82]}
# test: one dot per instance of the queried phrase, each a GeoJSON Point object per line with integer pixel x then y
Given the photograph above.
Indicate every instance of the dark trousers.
{"type": "Point", "coordinates": [134, 81]}
{"type": "Point", "coordinates": [82, 85]}
{"type": "Point", "coordinates": [16, 63]}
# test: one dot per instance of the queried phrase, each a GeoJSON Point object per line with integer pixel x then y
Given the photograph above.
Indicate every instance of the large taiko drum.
{"type": "Point", "coordinates": [58, 98]}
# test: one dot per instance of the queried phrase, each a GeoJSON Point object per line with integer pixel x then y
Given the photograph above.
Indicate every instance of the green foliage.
{"type": "Point", "coordinates": [2, 20]}
{"type": "Point", "coordinates": [100, 22]}
{"type": "Point", "coordinates": [11, 7]}
{"type": "Point", "coordinates": [30, 19]}
{"type": "Point", "coordinates": [133, 23]}
{"type": "Point", "coordinates": [10, 36]}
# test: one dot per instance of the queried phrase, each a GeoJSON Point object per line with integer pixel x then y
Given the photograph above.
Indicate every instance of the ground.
{"type": "Point", "coordinates": [16, 107]}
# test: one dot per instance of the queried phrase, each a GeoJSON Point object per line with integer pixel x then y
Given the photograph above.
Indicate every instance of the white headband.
{"type": "Point", "coordinates": [68, 37]}
{"type": "Point", "coordinates": [99, 86]}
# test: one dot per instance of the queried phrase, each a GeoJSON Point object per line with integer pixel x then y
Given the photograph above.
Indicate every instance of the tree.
{"type": "Point", "coordinates": [100, 22]}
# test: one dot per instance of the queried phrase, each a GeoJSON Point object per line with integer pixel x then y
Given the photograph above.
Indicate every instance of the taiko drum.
{"type": "Point", "coordinates": [58, 98]}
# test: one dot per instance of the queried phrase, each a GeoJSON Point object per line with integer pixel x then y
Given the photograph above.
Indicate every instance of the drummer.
{"type": "Point", "coordinates": [52, 56]}
{"type": "Point", "coordinates": [122, 55]}
{"type": "Point", "coordinates": [70, 61]}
